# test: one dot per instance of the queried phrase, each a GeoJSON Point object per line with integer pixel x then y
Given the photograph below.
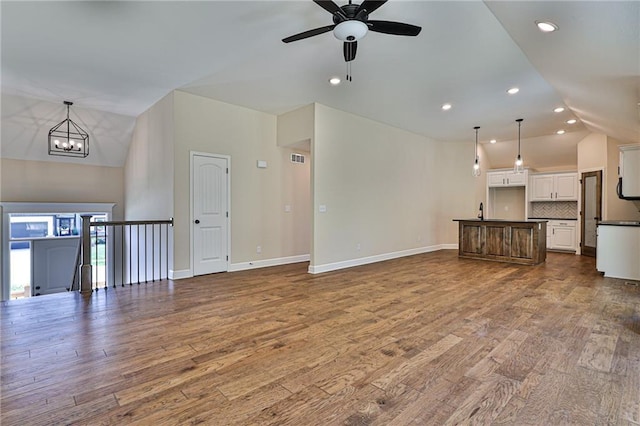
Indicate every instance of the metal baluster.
{"type": "Point", "coordinates": [138, 255]}
{"type": "Point", "coordinates": [166, 251]}
{"type": "Point", "coordinates": [146, 270]}
{"type": "Point", "coordinates": [123, 261]}
{"type": "Point", "coordinates": [160, 252]}
{"type": "Point", "coordinates": [153, 253]}
{"type": "Point", "coordinates": [130, 259]}
{"type": "Point", "coordinates": [94, 252]}
{"type": "Point", "coordinates": [113, 255]}
{"type": "Point", "coordinates": [106, 266]}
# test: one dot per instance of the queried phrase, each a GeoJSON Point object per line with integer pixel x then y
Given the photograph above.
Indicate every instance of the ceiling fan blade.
{"type": "Point", "coordinates": [328, 5]}
{"type": "Point", "coordinates": [370, 5]}
{"type": "Point", "coordinates": [395, 28]}
{"type": "Point", "coordinates": [349, 50]}
{"type": "Point", "coordinates": [309, 33]}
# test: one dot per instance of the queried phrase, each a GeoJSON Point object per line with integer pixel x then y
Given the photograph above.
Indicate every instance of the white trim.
{"type": "Point", "coordinates": [228, 160]}
{"type": "Point", "coordinates": [318, 269]}
{"type": "Point", "coordinates": [35, 207]}
{"type": "Point", "coordinates": [243, 266]}
{"type": "Point", "coordinates": [449, 246]}
{"type": "Point", "coordinates": [181, 274]}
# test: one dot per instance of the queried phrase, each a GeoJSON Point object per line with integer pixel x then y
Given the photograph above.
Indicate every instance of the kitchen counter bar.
{"type": "Point", "coordinates": [503, 240]}
{"type": "Point", "coordinates": [619, 223]}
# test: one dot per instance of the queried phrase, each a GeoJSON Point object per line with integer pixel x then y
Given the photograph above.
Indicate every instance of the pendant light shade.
{"type": "Point", "coordinates": [67, 139]}
{"type": "Point", "coordinates": [518, 166]}
{"type": "Point", "coordinates": [476, 163]}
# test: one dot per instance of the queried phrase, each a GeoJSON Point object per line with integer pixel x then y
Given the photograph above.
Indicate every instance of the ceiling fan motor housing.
{"type": "Point", "coordinates": [354, 27]}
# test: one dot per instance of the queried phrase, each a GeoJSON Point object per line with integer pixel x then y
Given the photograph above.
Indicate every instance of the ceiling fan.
{"type": "Point", "coordinates": [351, 23]}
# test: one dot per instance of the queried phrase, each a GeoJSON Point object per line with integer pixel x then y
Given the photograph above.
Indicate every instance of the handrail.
{"type": "Point", "coordinates": [117, 252]}
{"type": "Point", "coordinates": [133, 222]}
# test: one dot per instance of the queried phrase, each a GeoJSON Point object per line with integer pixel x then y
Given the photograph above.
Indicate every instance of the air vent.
{"type": "Point", "coordinates": [297, 158]}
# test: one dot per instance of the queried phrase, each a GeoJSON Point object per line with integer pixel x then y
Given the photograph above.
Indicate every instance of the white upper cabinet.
{"type": "Point", "coordinates": [554, 187]}
{"type": "Point", "coordinates": [506, 178]}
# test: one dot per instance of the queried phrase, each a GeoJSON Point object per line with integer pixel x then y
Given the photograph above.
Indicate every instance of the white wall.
{"type": "Point", "coordinates": [149, 164]}
{"type": "Point", "coordinates": [258, 196]}
{"type": "Point", "coordinates": [599, 152]}
{"type": "Point", "coordinates": [296, 127]}
{"type": "Point", "coordinates": [460, 192]}
{"type": "Point", "coordinates": [49, 182]}
{"type": "Point", "coordinates": [617, 209]}
{"type": "Point", "coordinates": [386, 190]}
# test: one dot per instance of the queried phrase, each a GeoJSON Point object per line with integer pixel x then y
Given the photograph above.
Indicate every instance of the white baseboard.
{"type": "Point", "coordinates": [448, 246]}
{"type": "Point", "coordinates": [178, 275]}
{"type": "Point", "coordinates": [263, 263]}
{"type": "Point", "coordinates": [318, 269]}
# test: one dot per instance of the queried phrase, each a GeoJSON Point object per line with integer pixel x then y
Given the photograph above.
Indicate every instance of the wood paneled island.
{"type": "Point", "coordinates": [522, 242]}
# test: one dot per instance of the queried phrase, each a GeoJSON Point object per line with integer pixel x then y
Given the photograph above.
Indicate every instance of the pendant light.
{"type": "Point", "coordinates": [476, 164]}
{"type": "Point", "coordinates": [518, 167]}
{"type": "Point", "coordinates": [67, 139]}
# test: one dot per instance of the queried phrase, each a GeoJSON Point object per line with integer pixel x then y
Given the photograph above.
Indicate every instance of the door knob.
{"type": "Point", "coordinates": [197, 221]}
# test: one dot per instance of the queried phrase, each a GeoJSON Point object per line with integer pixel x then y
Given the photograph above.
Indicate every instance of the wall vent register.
{"type": "Point", "coordinates": [297, 158]}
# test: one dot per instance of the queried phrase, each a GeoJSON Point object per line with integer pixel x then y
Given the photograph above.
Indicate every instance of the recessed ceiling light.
{"type": "Point", "coordinates": [446, 107]}
{"type": "Point", "coordinates": [559, 109]}
{"type": "Point", "coordinates": [493, 141]}
{"type": "Point", "coordinates": [513, 91]}
{"type": "Point", "coordinates": [560, 132]}
{"type": "Point", "coordinates": [334, 81]}
{"type": "Point", "coordinates": [572, 121]}
{"type": "Point", "coordinates": [546, 27]}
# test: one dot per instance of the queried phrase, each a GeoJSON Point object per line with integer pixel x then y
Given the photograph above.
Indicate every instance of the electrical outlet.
{"type": "Point", "coordinates": [258, 249]}
{"type": "Point", "coordinates": [358, 247]}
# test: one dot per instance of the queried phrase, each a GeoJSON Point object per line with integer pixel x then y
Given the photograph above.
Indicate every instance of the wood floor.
{"type": "Point", "coordinates": [429, 340]}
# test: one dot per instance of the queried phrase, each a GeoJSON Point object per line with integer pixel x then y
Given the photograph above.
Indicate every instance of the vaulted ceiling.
{"type": "Point", "coordinates": [115, 59]}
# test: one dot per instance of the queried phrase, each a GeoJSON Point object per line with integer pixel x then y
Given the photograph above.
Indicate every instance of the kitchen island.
{"type": "Point", "coordinates": [523, 242]}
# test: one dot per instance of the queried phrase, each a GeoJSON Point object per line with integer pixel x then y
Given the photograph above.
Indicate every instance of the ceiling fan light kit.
{"type": "Point", "coordinates": [350, 30]}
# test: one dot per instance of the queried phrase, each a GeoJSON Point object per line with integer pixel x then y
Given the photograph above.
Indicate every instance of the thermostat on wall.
{"type": "Point", "coordinates": [262, 164]}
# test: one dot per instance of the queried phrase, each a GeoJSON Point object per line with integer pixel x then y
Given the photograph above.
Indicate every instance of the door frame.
{"type": "Point", "coordinates": [227, 158]}
{"type": "Point", "coordinates": [600, 174]}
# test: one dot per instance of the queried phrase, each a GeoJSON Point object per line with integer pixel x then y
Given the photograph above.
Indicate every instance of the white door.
{"type": "Point", "coordinates": [210, 183]}
{"type": "Point", "coordinates": [53, 264]}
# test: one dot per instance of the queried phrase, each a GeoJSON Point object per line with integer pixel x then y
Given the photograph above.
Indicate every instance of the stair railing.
{"type": "Point", "coordinates": [123, 252]}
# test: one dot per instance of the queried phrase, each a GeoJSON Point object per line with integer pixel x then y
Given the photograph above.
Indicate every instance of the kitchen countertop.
{"type": "Point", "coordinates": [554, 218]}
{"type": "Point", "coordinates": [501, 220]}
{"type": "Point", "coordinates": [620, 223]}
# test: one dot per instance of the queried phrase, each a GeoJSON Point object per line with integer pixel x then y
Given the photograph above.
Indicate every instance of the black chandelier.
{"type": "Point", "coordinates": [67, 139]}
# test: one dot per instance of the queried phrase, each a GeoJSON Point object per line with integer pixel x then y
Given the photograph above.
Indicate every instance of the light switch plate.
{"type": "Point", "coordinates": [262, 164]}
{"type": "Point", "coordinates": [323, 208]}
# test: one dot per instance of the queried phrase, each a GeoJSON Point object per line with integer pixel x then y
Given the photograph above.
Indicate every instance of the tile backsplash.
{"type": "Point", "coordinates": [554, 209]}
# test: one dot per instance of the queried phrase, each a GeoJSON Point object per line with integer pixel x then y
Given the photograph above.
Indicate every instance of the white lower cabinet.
{"type": "Point", "coordinates": [561, 235]}
{"type": "Point", "coordinates": [618, 251]}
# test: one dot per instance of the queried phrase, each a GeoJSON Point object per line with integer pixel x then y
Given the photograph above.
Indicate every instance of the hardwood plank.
{"type": "Point", "coordinates": [426, 339]}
